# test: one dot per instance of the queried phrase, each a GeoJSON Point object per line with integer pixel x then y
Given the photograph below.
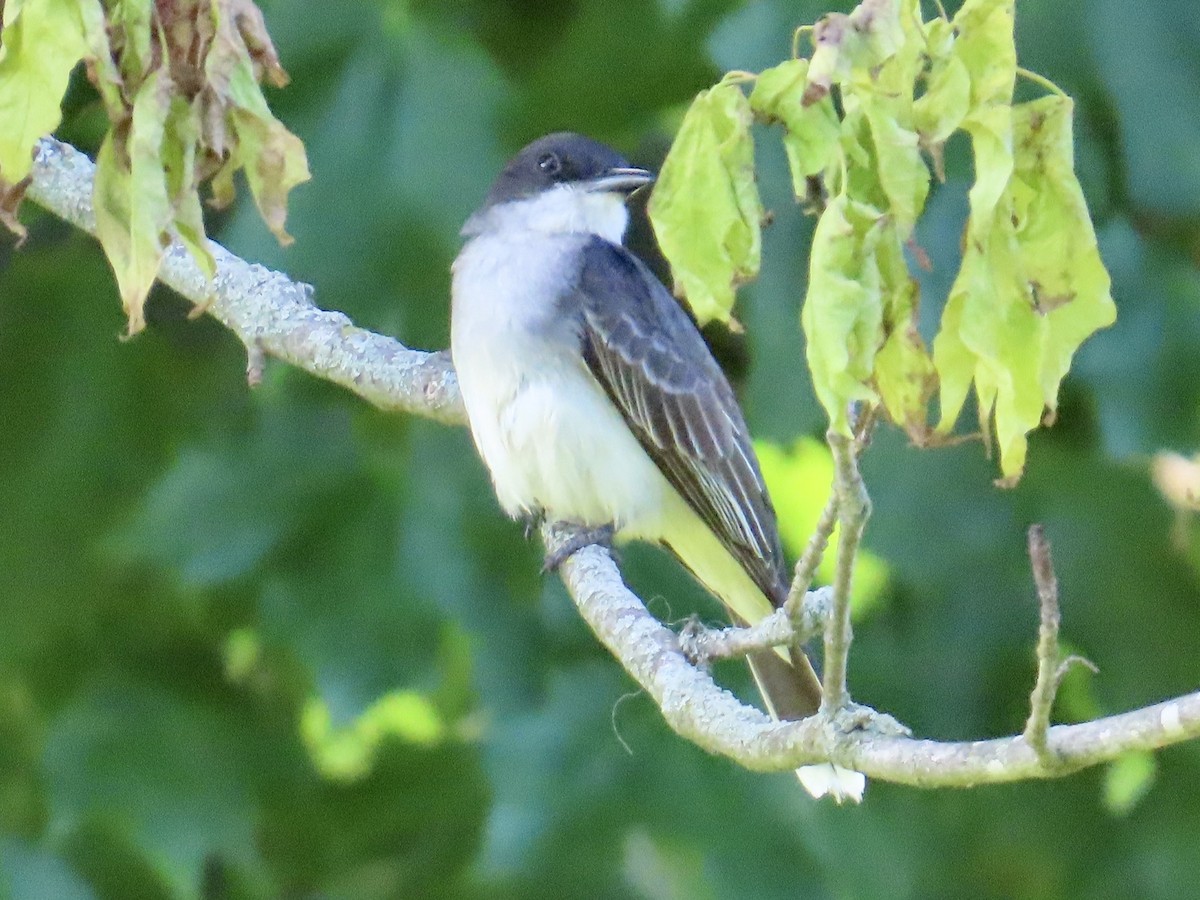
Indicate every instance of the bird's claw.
{"type": "Point", "coordinates": [533, 521]}
{"type": "Point", "coordinates": [575, 538]}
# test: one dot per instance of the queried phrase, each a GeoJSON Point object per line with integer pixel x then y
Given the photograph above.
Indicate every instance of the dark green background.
{"type": "Point", "coordinates": [151, 507]}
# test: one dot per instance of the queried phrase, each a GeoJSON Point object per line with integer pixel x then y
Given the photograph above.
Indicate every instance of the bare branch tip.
{"type": "Point", "coordinates": [256, 361]}
{"type": "Point", "coordinates": [1043, 565]}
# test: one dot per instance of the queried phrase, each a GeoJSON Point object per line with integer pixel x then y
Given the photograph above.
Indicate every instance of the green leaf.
{"type": "Point", "coordinates": [810, 131]}
{"type": "Point", "coordinates": [1031, 288]}
{"type": "Point", "coordinates": [843, 309]}
{"type": "Point", "coordinates": [1128, 779]}
{"type": "Point", "coordinates": [348, 754]}
{"type": "Point", "coordinates": [661, 870]}
{"type": "Point", "coordinates": [217, 513]}
{"type": "Point", "coordinates": [133, 210]}
{"type": "Point", "coordinates": [939, 111]}
{"type": "Point", "coordinates": [164, 777]}
{"type": "Point", "coordinates": [132, 20]}
{"type": "Point", "coordinates": [904, 373]}
{"type": "Point", "coordinates": [42, 42]}
{"type": "Point", "coordinates": [1070, 285]}
{"type": "Point", "coordinates": [705, 208]}
{"type": "Point", "coordinates": [987, 50]}
{"type": "Point", "coordinates": [34, 873]}
{"type": "Point", "coordinates": [898, 164]}
{"type": "Point", "coordinates": [182, 132]}
{"type": "Point", "coordinates": [991, 332]}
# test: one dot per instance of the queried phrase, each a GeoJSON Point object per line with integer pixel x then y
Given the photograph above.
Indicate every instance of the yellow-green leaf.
{"type": "Point", "coordinates": [1032, 286]}
{"type": "Point", "coordinates": [904, 373]}
{"type": "Point", "coordinates": [1127, 780]}
{"type": "Point", "coordinates": [991, 332]}
{"type": "Point", "coordinates": [42, 42]}
{"type": "Point", "coordinates": [705, 208]}
{"type": "Point", "coordinates": [901, 170]}
{"type": "Point", "coordinates": [843, 310]}
{"type": "Point", "coordinates": [940, 110]}
{"type": "Point", "coordinates": [991, 141]}
{"type": "Point", "coordinates": [830, 63]}
{"type": "Point", "coordinates": [133, 210]}
{"type": "Point", "coordinates": [132, 20]}
{"type": "Point", "coordinates": [348, 754]}
{"type": "Point", "coordinates": [181, 132]}
{"type": "Point", "coordinates": [273, 158]}
{"type": "Point", "coordinates": [105, 76]}
{"type": "Point", "coordinates": [1054, 232]}
{"type": "Point", "coordinates": [810, 132]}
{"type": "Point", "coordinates": [986, 47]}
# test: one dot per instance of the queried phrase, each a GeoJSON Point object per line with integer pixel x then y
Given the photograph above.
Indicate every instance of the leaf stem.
{"type": "Point", "coordinates": [796, 35]}
{"type": "Point", "coordinates": [1041, 80]}
{"type": "Point", "coordinates": [739, 76]}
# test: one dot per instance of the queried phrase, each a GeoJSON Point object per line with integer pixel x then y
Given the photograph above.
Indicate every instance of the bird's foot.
{"type": "Point", "coordinates": [532, 521]}
{"type": "Point", "coordinates": [575, 538]}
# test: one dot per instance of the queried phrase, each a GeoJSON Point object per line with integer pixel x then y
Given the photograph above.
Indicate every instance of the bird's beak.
{"type": "Point", "coordinates": [620, 180]}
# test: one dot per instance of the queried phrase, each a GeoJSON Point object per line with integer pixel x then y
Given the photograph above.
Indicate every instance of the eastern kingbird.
{"type": "Point", "coordinates": [594, 400]}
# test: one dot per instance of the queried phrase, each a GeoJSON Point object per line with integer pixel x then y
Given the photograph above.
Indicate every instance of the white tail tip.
{"type": "Point", "coordinates": [833, 781]}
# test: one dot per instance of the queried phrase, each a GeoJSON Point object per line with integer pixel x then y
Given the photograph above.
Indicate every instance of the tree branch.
{"type": "Point", "coordinates": [275, 316]}
{"type": "Point", "coordinates": [267, 311]}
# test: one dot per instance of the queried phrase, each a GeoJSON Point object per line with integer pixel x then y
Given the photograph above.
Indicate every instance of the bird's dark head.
{"type": "Point", "coordinates": [566, 160]}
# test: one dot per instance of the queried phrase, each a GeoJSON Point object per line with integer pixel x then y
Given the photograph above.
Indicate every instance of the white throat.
{"type": "Point", "coordinates": [564, 209]}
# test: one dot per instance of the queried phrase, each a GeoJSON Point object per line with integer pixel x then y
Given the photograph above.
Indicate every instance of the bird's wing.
{"type": "Point", "coordinates": [651, 360]}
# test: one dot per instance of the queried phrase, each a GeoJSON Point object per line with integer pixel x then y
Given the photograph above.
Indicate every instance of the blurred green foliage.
{"type": "Point", "coordinates": [189, 569]}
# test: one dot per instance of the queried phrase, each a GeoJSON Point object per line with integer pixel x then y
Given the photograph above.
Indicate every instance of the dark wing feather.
{"type": "Point", "coordinates": [649, 356]}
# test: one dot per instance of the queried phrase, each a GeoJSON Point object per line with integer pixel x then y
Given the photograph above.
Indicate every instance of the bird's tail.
{"type": "Point", "coordinates": [791, 690]}
{"type": "Point", "coordinates": [789, 686]}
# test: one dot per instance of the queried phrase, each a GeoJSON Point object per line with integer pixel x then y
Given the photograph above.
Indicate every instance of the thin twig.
{"type": "Point", "coordinates": [1051, 669]}
{"type": "Point", "coordinates": [854, 507]}
{"type": "Point", "coordinates": [814, 552]}
{"type": "Point", "coordinates": [1041, 701]}
{"type": "Point", "coordinates": [703, 645]}
{"type": "Point", "coordinates": [810, 559]}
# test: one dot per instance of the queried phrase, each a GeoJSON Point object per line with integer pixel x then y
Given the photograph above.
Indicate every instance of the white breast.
{"type": "Point", "coordinates": [548, 433]}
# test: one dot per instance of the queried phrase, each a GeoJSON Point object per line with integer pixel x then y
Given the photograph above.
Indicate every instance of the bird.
{"type": "Point", "coordinates": [594, 400]}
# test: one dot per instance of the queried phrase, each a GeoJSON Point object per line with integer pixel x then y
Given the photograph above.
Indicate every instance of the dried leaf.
{"type": "Point", "coordinates": [133, 210]}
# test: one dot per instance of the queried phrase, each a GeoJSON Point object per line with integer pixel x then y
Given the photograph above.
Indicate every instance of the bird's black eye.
{"type": "Point", "coordinates": [550, 163]}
